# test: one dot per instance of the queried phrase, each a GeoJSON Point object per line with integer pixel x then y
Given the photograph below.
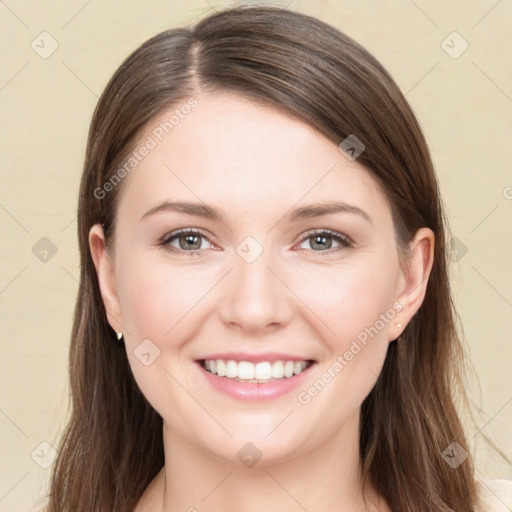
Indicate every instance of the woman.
{"type": "Point", "coordinates": [304, 353]}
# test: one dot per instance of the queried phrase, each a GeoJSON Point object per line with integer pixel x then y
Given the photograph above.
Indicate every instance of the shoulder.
{"type": "Point", "coordinates": [496, 494]}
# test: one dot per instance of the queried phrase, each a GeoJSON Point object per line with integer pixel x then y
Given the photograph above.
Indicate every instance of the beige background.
{"type": "Point", "coordinates": [463, 103]}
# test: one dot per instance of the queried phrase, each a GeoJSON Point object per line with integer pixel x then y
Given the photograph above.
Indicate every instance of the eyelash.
{"type": "Point", "coordinates": [344, 241]}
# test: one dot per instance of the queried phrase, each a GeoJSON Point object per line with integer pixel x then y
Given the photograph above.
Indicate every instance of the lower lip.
{"type": "Point", "coordinates": [254, 391]}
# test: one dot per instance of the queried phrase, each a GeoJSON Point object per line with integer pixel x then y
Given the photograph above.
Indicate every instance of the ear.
{"type": "Point", "coordinates": [412, 284]}
{"type": "Point", "coordinates": [106, 277]}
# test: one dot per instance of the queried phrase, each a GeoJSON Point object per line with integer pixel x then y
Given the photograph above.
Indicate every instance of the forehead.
{"type": "Point", "coordinates": [236, 154]}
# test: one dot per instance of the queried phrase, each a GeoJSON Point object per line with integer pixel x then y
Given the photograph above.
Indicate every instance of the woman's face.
{"type": "Point", "coordinates": [260, 285]}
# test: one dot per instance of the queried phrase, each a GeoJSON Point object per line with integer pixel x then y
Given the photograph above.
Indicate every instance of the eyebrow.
{"type": "Point", "coordinates": [303, 212]}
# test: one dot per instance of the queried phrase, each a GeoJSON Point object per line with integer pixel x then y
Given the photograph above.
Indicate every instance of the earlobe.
{"type": "Point", "coordinates": [414, 279]}
{"type": "Point", "coordinates": [106, 276]}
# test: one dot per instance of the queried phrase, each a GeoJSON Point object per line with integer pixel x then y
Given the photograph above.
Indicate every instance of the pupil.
{"type": "Point", "coordinates": [323, 240]}
{"type": "Point", "coordinates": [188, 238]}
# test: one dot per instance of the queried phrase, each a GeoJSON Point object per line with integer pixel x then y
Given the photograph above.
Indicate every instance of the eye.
{"type": "Point", "coordinates": [191, 241]}
{"type": "Point", "coordinates": [186, 239]}
{"type": "Point", "coordinates": [323, 240]}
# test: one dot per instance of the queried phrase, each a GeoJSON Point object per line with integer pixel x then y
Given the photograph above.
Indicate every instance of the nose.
{"type": "Point", "coordinates": [255, 297]}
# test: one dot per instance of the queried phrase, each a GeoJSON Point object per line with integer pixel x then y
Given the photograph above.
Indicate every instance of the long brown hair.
{"type": "Point", "coordinates": [112, 446]}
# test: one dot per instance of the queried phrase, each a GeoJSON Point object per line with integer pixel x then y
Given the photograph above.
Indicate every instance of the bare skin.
{"type": "Point", "coordinates": [297, 297]}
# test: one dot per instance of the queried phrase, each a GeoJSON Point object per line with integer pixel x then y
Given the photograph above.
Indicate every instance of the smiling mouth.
{"type": "Point", "coordinates": [255, 373]}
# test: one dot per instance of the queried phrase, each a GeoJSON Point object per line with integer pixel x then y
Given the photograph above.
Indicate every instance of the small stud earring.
{"type": "Point", "coordinates": [119, 336]}
{"type": "Point", "coordinates": [398, 325]}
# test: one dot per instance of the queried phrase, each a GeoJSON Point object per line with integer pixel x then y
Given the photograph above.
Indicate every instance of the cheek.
{"type": "Point", "coordinates": [340, 302]}
{"type": "Point", "coordinates": [353, 306]}
{"type": "Point", "coordinates": [349, 299]}
{"type": "Point", "coordinates": [157, 302]}
{"type": "Point", "coordinates": [155, 297]}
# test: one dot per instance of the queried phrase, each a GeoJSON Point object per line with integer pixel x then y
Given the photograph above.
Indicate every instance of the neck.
{"type": "Point", "coordinates": [325, 478]}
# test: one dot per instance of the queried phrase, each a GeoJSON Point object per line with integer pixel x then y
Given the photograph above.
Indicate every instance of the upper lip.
{"type": "Point", "coordinates": [254, 358]}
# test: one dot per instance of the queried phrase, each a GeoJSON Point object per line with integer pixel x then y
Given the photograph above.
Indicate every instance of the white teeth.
{"type": "Point", "coordinates": [245, 370]}
{"type": "Point", "coordinates": [278, 370]}
{"type": "Point", "coordinates": [263, 371]}
{"type": "Point", "coordinates": [288, 368]}
{"type": "Point", "coordinates": [231, 369]}
{"type": "Point", "coordinates": [250, 372]}
{"type": "Point", "coordinates": [221, 368]}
